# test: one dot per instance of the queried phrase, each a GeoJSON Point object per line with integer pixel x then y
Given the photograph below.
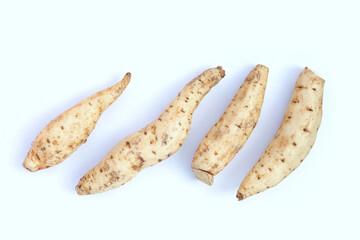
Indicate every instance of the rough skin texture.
{"type": "Point", "coordinates": [232, 130]}
{"type": "Point", "coordinates": [152, 144]}
{"type": "Point", "coordinates": [294, 139]}
{"type": "Point", "coordinates": [63, 135]}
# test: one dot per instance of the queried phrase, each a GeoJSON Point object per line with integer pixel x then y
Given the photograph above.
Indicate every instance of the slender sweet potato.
{"type": "Point", "coordinates": [294, 139]}
{"type": "Point", "coordinates": [152, 144]}
{"type": "Point", "coordinates": [63, 135]}
{"type": "Point", "coordinates": [232, 130]}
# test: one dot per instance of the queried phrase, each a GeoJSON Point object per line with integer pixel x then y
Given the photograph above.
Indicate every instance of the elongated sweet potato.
{"type": "Point", "coordinates": [232, 130]}
{"type": "Point", "coordinates": [152, 144]}
{"type": "Point", "coordinates": [294, 139]}
{"type": "Point", "coordinates": [63, 135]}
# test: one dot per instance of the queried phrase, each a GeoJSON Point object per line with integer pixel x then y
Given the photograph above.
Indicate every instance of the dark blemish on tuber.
{"type": "Point", "coordinates": [128, 145]}
{"type": "Point", "coordinates": [294, 143]}
{"type": "Point", "coordinates": [309, 109]}
{"type": "Point", "coordinates": [306, 130]}
{"type": "Point", "coordinates": [62, 127]}
{"type": "Point", "coordinates": [283, 160]}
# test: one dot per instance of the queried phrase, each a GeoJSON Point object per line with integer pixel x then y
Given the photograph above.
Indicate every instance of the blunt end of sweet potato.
{"type": "Point", "coordinates": [31, 166]}
{"type": "Point", "coordinates": [31, 162]}
{"type": "Point", "coordinates": [262, 66]}
{"type": "Point", "coordinates": [204, 176]}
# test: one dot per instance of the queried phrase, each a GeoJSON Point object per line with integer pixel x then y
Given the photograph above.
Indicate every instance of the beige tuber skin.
{"type": "Point", "coordinates": [294, 139]}
{"type": "Point", "coordinates": [152, 144]}
{"type": "Point", "coordinates": [63, 135]}
{"type": "Point", "coordinates": [232, 130]}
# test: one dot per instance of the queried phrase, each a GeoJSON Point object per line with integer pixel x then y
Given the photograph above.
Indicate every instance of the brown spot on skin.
{"type": "Point", "coordinates": [151, 141]}
{"type": "Point", "coordinates": [159, 119]}
{"type": "Point", "coordinates": [169, 155]}
{"type": "Point", "coordinates": [159, 160]}
{"type": "Point", "coordinates": [164, 139]}
{"type": "Point", "coordinates": [128, 145]}
{"type": "Point", "coordinates": [262, 165]}
{"type": "Point", "coordinates": [55, 142]}
{"type": "Point", "coordinates": [90, 104]}
{"type": "Point", "coordinates": [289, 117]}
{"type": "Point", "coordinates": [238, 125]}
{"type": "Point", "coordinates": [180, 144]}
{"type": "Point", "coordinates": [62, 127]}
{"type": "Point", "coordinates": [215, 153]}
{"type": "Point", "coordinates": [76, 115]}
{"type": "Point", "coordinates": [306, 130]}
{"type": "Point", "coordinates": [314, 89]}
{"type": "Point", "coordinates": [171, 106]}
{"type": "Point", "coordinates": [258, 177]}
{"type": "Point", "coordinates": [270, 169]}
{"type": "Point", "coordinates": [145, 133]}
{"type": "Point", "coordinates": [58, 151]}
{"type": "Point", "coordinates": [111, 156]}
{"type": "Point", "coordinates": [182, 110]}
{"type": "Point", "coordinates": [70, 146]}
{"type": "Point", "coordinates": [283, 160]}
{"type": "Point", "coordinates": [294, 143]}
{"type": "Point", "coordinates": [85, 140]}
{"type": "Point", "coordinates": [309, 109]}
{"type": "Point", "coordinates": [295, 100]}
{"type": "Point", "coordinates": [153, 152]}
{"type": "Point", "coordinates": [37, 156]}
{"type": "Point", "coordinates": [114, 177]}
{"type": "Point", "coordinates": [48, 140]}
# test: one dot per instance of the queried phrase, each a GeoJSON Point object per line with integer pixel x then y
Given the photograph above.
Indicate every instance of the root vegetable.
{"type": "Point", "coordinates": [232, 130]}
{"type": "Point", "coordinates": [63, 135]}
{"type": "Point", "coordinates": [294, 139]}
{"type": "Point", "coordinates": [152, 144]}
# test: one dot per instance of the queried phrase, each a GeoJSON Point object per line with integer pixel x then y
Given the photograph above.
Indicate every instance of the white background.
{"type": "Point", "coordinates": [54, 54]}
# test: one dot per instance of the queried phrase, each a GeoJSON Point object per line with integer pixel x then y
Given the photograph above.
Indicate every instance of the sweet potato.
{"type": "Point", "coordinates": [232, 130]}
{"type": "Point", "coordinates": [63, 135]}
{"type": "Point", "coordinates": [294, 139]}
{"type": "Point", "coordinates": [152, 144]}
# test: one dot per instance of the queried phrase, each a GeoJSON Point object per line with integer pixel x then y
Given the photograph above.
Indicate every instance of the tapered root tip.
{"type": "Point", "coordinates": [80, 190]}
{"type": "Point", "coordinates": [240, 196]}
{"type": "Point", "coordinates": [203, 176]}
{"type": "Point", "coordinates": [128, 74]}
{"type": "Point", "coordinates": [222, 72]}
